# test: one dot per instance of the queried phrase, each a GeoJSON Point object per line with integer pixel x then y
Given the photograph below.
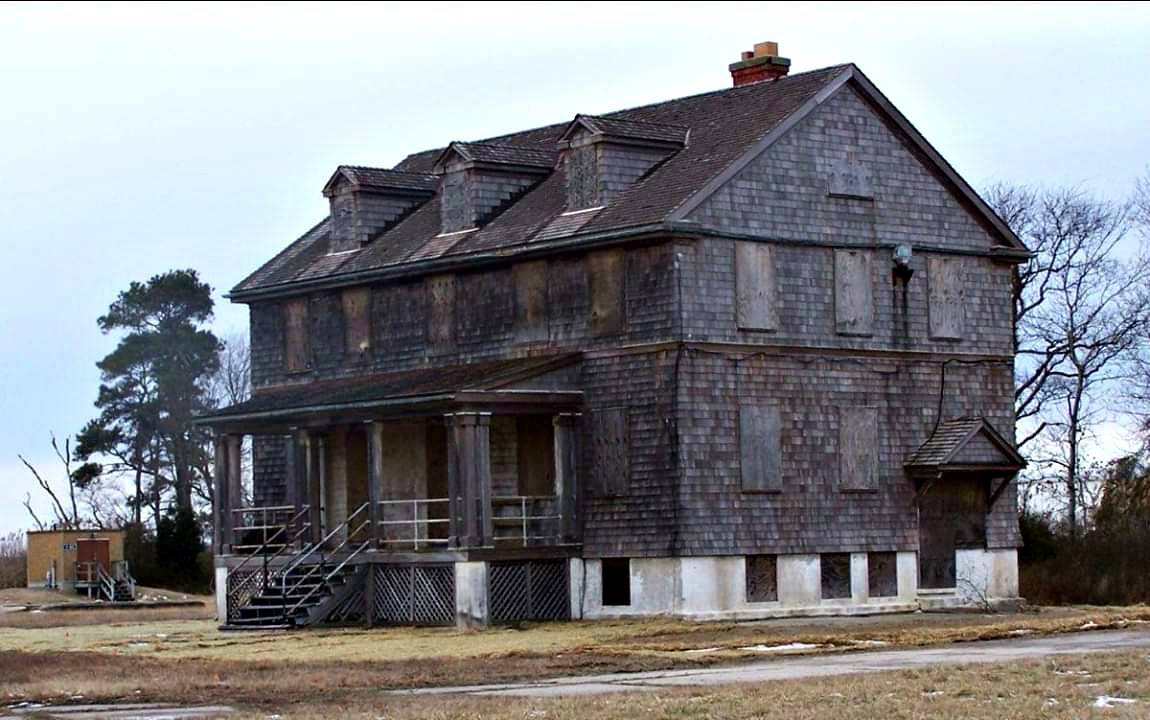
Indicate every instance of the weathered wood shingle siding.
{"type": "Point", "coordinates": [812, 512]}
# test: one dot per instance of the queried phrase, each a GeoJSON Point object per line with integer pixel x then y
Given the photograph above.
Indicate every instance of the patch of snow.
{"type": "Point", "coordinates": [36, 612]}
{"type": "Point", "coordinates": [1090, 625]}
{"type": "Point", "coordinates": [1081, 673]}
{"type": "Point", "coordinates": [1105, 701]}
{"type": "Point", "coordinates": [1021, 631]}
{"type": "Point", "coordinates": [933, 693]}
{"type": "Point", "coordinates": [789, 647]}
{"type": "Point", "coordinates": [871, 643]}
{"type": "Point", "coordinates": [700, 651]}
{"type": "Point", "coordinates": [161, 635]}
{"type": "Point", "coordinates": [1050, 702]}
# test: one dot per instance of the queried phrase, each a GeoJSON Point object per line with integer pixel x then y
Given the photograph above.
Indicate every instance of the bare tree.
{"type": "Point", "coordinates": [67, 514]}
{"type": "Point", "coordinates": [1080, 312]}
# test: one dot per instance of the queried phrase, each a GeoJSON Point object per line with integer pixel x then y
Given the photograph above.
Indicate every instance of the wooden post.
{"type": "Point", "coordinates": [235, 446]}
{"type": "Point", "coordinates": [566, 475]}
{"type": "Point", "coordinates": [221, 538]}
{"type": "Point", "coordinates": [469, 478]}
{"type": "Point", "coordinates": [374, 475]}
{"type": "Point", "coordinates": [312, 485]}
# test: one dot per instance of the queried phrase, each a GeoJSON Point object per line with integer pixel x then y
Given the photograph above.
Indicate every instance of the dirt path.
{"type": "Point", "coordinates": [788, 668]}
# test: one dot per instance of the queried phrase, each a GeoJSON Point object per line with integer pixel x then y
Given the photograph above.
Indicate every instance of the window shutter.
{"type": "Point", "coordinates": [296, 335]}
{"type": "Point", "coordinates": [441, 310]}
{"type": "Point", "coordinates": [858, 448]}
{"type": "Point", "coordinates": [854, 293]}
{"type": "Point", "coordinates": [760, 447]}
{"type": "Point", "coordinates": [610, 467]}
{"type": "Point", "coordinates": [756, 302]}
{"type": "Point", "coordinates": [944, 275]}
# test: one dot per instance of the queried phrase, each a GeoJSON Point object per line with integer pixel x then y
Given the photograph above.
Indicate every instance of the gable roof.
{"type": "Point", "coordinates": [969, 442]}
{"type": "Point", "coordinates": [726, 130]}
{"type": "Point", "coordinates": [383, 179]}
{"type": "Point", "coordinates": [672, 135]}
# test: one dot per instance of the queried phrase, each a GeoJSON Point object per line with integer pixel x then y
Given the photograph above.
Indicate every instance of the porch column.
{"type": "Point", "coordinates": [374, 476]}
{"type": "Point", "coordinates": [469, 477]}
{"type": "Point", "coordinates": [235, 491]}
{"type": "Point", "coordinates": [299, 470]}
{"type": "Point", "coordinates": [222, 514]}
{"type": "Point", "coordinates": [566, 478]}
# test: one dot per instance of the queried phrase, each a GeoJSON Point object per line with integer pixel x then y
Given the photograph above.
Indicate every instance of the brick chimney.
{"type": "Point", "coordinates": [763, 63]}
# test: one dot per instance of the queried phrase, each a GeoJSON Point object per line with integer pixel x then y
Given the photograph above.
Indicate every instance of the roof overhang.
{"type": "Point", "coordinates": [964, 446]}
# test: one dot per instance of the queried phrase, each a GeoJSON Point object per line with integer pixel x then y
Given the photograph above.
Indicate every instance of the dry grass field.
{"type": "Point", "coordinates": [342, 671]}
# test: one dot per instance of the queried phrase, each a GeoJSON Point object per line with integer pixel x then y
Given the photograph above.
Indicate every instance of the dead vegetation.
{"type": "Point", "coordinates": [191, 661]}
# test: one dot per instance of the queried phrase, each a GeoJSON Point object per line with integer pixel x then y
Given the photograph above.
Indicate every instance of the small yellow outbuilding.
{"type": "Point", "coordinates": [57, 558]}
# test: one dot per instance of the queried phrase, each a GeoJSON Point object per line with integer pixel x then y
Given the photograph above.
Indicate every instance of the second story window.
{"type": "Point", "coordinates": [854, 293]}
{"type": "Point", "coordinates": [858, 448]}
{"type": "Point", "coordinates": [297, 345]}
{"type": "Point", "coordinates": [357, 322]}
{"type": "Point", "coordinates": [756, 304]}
{"type": "Point", "coordinates": [945, 281]}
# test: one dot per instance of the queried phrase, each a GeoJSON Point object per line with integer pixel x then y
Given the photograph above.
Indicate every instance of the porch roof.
{"type": "Point", "coordinates": [498, 384]}
{"type": "Point", "coordinates": [968, 443]}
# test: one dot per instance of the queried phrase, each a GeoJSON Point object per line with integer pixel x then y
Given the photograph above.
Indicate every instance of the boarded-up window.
{"type": "Point", "coordinates": [610, 468]}
{"type": "Point", "coordinates": [762, 578]}
{"type": "Point", "coordinates": [357, 322]}
{"type": "Point", "coordinates": [582, 178]}
{"type": "Point", "coordinates": [760, 447]}
{"type": "Point", "coordinates": [858, 448]}
{"type": "Point", "coordinates": [756, 306]}
{"type": "Point", "coordinates": [946, 297]}
{"type": "Point", "coordinates": [854, 294]}
{"type": "Point", "coordinates": [297, 347]}
{"type": "Point", "coordinates": [607, 291]}
{"type": "Point", "coordinates": [836, 575]}
{"type": "Point", "coordinates": [531, 301]}
{"type": "Point", "coordinates": [882, 574]}
{"type": "Point", "coordinates": [453, 202]}
{"type": "Point", "coordinates": [441, 309]}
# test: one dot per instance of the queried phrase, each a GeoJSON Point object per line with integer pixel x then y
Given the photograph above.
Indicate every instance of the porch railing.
{"type": "Point", "coordinates": [256, 529]}
{"type": "Point", "coordinates": [419, 523]}
{"type": "Point", "coordinates": [526, 519]}
{"type": "Point", "coordinates": [246, 579]}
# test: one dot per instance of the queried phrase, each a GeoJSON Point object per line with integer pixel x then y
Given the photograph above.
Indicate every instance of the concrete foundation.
{"type": "Point", "coordinates": [713, 588]}
{"type": "Point", "coordinates": [471, 608]}
{"type": "Point", "coordinates": [222, 594]}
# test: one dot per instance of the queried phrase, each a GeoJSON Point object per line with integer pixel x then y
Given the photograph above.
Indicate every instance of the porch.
{"type": "Point", "coordinates": [394, 498]}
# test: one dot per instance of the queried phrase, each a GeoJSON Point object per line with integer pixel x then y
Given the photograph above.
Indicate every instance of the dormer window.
{"type": "Point", "coordinates": [367, 201]}
{"type": "Point", "coordinates": [479, 180]}
{"type": "Point", "coordinates": [604, 156]}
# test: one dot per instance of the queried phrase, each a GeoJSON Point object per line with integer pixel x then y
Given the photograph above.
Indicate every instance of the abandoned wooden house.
{"type": "Point", "coordinates": [737, 355]}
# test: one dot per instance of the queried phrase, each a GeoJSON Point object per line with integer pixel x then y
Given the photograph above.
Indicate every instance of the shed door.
{"type": "Point", "coordinates": [90, 550]}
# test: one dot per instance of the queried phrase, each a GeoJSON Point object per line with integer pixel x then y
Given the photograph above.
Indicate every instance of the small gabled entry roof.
{"type": "Point", "coordinates": [969, 443]}
{"type": "Point", "coordinates": [542, 384]}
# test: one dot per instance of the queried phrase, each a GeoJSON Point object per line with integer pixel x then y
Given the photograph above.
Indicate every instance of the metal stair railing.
{"type": "Point", "coordinates": [319, 547]}
{"type": "Point", "coordinates": [269, 559]}
{"type": "Point", "coordinates": [123, 573]}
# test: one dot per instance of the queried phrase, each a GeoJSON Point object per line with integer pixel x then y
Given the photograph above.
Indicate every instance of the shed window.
{"type": "Point", "coordinates": [615, 578]}
{"type": "Point", "coordinates": [854, 293]}
{"type": "Point", "coordinates": [756, 305]}
{"type": "Point", "coordinates": [762, 578]}
{"type": "Point", "coordinates": [858, 448]}
{"type": "Point", "coordinates": [610, 467]}
{"type": "Point", "coordinates": [296, 335]}
{"type": "Point", "coordinates": [760, 447]}
{"type": "Point", "coordinates": [947, 314]}
{"type": "Point", "coordinates": [836, 575]}
{"type": "Point", "coordinates": [357, 322]}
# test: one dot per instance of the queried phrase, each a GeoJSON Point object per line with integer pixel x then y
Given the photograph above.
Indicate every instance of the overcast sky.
{"type": "Point", "coordinates": [136, 138]}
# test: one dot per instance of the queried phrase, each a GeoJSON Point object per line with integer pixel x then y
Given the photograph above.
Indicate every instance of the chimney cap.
{"type": "Point", "coordinates": [766, 49]}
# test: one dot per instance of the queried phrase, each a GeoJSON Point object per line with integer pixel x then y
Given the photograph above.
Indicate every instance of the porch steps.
{"type": "Point", "coordinates": [123, 592]}
{"type": "Point", "coordinates": [272, 609]}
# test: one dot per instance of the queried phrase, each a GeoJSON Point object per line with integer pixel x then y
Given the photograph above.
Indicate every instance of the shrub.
{"type": "Point", "coordinates": [13, 561]}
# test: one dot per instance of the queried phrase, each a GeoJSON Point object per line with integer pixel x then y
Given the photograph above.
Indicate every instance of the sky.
{"type": "Point", "coordinates": [138, 138]}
